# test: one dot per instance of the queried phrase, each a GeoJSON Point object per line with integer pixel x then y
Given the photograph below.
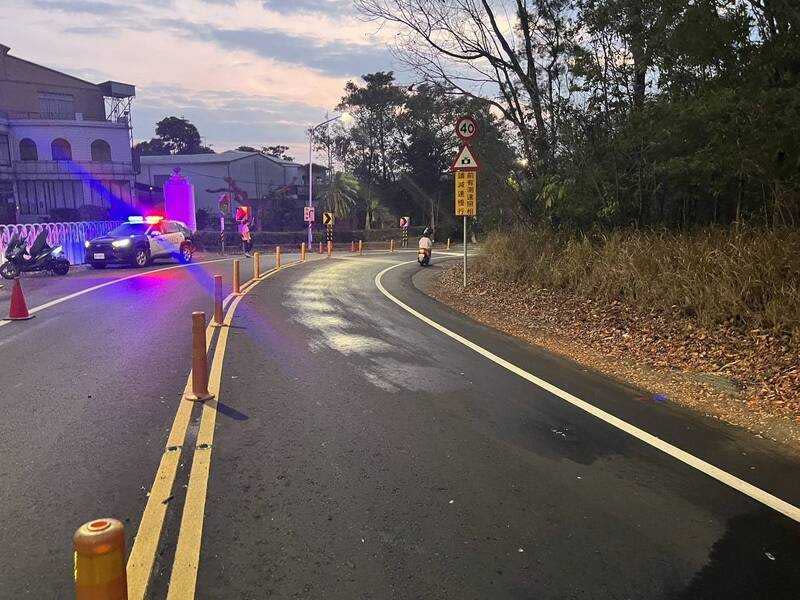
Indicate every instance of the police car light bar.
{"type": "Point", "coordinates": [136, 219]}
{"type": "Point", "coordinates": [154, 219]}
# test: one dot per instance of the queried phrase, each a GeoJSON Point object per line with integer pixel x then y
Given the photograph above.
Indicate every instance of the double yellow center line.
{"type": "Point", "coordinates": [187, 554]}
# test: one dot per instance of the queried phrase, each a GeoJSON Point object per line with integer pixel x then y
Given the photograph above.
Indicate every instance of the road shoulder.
{"type": "Point", "coordinates": [758, 461]}
{"type": "Point", "coordinates": [710, 394]}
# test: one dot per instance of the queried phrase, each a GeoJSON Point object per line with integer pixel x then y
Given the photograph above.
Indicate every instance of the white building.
{"type": "Point", "coordinates": [62, 157]}
{"type": "Point", "coordinates": [259, 175]}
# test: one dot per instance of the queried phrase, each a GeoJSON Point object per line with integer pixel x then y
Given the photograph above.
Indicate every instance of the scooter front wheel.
{"type": "Point", "coordinates": [9, 270]}
{"type": "Point", "coordinates": [61, 268]}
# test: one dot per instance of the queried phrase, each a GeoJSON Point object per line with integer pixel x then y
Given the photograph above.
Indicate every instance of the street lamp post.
{"type": "Point", "coordinates": [344, 117]}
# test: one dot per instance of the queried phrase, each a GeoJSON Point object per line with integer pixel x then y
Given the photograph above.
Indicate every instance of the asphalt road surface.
{"type": "Point", "coordinates": [365, 442]}
{"type": "Point", "coordinates": [87, 391]}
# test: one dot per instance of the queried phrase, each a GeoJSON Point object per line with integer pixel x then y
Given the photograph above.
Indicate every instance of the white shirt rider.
{"type": "Point", "coordinates": [425, 242]}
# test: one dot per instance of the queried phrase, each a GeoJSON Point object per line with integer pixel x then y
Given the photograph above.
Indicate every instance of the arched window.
{"type": "Point", "coordinates": [27, 150]}
{"type": "Point", "coordinates": [61, 149]}
{"type": "Point", "coordinates": [101, 151]}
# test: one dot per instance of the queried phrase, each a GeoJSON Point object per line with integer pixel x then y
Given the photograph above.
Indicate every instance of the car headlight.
{"type": "Point", "coordinates": [121, 243]}
{"type": "Point", "coordinates": [87, 244]}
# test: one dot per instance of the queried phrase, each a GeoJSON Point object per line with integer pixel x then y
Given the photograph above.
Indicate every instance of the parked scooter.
{"type": "Point", "coordinates": [41, 257]}
{"type": "Point", "coordinates": [424, 257]}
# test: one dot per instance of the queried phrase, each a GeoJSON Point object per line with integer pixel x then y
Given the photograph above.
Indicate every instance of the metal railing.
{"type": "Point", "coordinates": [24, 115]}
{"type": "Point", "coordinates": [72, 167]}
{"type": "Point", "coordinates": [70, 236]}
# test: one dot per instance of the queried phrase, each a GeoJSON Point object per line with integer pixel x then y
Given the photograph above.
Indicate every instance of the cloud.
{"type": "Point", "coordinates": [245, 71]}
{"type": "Point", "coordinates": [102, 30]}
{"type": "Point", "coordinates": [226, 119]}
{"type": "Point", "coordinates": [335, 58]}
{"type": "Point", "coordinates": [89, 7]}
{"type": "Point", "coordinates": [328, 7]}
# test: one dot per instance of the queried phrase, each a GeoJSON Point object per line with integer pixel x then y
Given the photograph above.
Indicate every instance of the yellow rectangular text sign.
{"type": "Point", "coordinates": [466, 193]}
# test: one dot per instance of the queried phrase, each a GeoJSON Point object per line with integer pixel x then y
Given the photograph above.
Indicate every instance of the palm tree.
{"type": "Point", "coordinates": [341, 194]}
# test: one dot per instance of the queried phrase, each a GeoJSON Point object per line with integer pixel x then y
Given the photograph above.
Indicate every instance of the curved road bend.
{"type": "Point", "coordinates": [357, 452]}
{"type": "Point", "coordinates": [360, 453]}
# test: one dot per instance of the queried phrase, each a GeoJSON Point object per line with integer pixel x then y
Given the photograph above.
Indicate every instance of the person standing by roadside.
{"type": "Point", "coordinates": [243, 223]}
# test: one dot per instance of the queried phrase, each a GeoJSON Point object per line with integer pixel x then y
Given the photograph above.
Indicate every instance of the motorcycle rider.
{"type": "Point", "coordinates": [425, 242]}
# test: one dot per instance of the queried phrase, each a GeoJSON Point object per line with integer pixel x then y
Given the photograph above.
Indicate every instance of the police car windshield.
{"type": "Point", "coordinates": [127, 229]}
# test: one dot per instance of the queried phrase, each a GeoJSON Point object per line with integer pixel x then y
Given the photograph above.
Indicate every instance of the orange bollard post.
{"type": "Point", "coordinates": [330, 248]}
{"type": "Point", "coordinates": [277, 257]}
{"type": "Point", "coordinates": [448, 244]}
{"type": "Point", "coordinates": [199, 359]}
{"type": "Point", "coordinates": [99, 561]}
{"type": "Point", "coordinates": [391, 245]}
{"type": "Point", "coordinates": [256, 265]}
{"type": "Point", "coordinates": [361, 247]}
{"type": "Point", "coordinates": [353, 247]}
{"type": "Point", "coordinates": [320, 247]}
{"type": "Point", "coordinates": [236, 279]}
{"type": "Point", "coordinates": [218, 315]}
{"type": "Point", "coordinates": [303, 252]}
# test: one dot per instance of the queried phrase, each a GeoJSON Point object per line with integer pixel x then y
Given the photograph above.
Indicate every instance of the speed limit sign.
{"type": "Point", "coordinates": [466, 128]}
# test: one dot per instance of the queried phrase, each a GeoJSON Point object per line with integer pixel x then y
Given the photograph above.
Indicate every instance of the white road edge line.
{"type": "Point", "coordinates": [732, 481]}
{"type": "Point", "coordinates": [94, 288]}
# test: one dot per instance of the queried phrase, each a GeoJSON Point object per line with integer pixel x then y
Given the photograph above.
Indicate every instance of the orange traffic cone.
{"type": "Point", "coordinates": [18, 311]}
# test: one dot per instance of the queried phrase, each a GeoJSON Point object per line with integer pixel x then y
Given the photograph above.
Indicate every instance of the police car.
{"type": "Point", "coordinates": [139, 241]}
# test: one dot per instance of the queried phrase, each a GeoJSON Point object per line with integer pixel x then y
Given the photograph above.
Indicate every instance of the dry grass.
{"type": "Point", "coordinates": [747, 278]}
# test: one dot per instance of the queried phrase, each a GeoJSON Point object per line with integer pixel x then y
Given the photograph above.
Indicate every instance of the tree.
{"type": "Point", "coordinates": [465, 47]}
{"type": "Point", "coordinates": [331, 139]}
{"type": "Point", "coordinates": [402, 145]}
{"type": "Point", "coordinates": [246, 149]}
{"type": "Point", "coordinates": [279, 152]}
{"type": "Point", "coordinates": [155, 147]}
{"type": "Point", "coordinates": [624, 112]}
{"type": "Point", "coordinates": [373, 140]}
{"type": "Point", "coordinates": [341, 194]}
{"type": "Point", "coordinates": [180, 136]}
{"type": "Point", "coordinates": [429, 146]}
{"type": "Point", "coordinates": [174, 135]}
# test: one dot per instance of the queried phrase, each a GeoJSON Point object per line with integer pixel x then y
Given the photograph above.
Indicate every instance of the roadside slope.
{"type": "Point", "coordinates": [713, 372]}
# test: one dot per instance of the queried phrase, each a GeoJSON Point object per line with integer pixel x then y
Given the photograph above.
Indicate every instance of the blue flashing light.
{"type": "Point", "coordinates": [135, 219]}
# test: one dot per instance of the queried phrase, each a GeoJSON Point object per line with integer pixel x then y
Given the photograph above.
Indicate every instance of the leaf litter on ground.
{"type": "Point", "coordinates": [749, 378]}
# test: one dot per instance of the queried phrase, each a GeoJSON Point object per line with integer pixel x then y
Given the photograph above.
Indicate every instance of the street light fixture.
{"type": "Point", "coordinates": [346, 119]}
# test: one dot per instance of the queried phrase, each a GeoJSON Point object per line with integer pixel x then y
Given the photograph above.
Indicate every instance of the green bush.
{"type": "Point", "coordinates": [750, 277]}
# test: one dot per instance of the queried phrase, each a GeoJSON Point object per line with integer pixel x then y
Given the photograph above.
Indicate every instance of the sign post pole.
{"type": "Point", "coordinates": [222, 234]}
{"type": "Point", "coordinates": [465, 169]}
{"type": "Point", "coordinates": [465, 250]}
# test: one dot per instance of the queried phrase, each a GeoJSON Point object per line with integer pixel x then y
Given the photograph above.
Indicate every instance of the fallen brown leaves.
{"type": "Point", "coordinates": [747, 378]}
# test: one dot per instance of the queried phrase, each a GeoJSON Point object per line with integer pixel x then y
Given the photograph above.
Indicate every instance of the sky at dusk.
{"type": "Point", "coordinates": [254, 72]}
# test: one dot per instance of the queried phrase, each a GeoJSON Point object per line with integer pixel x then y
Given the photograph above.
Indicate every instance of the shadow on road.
{"type": "Point", "coordinates": [231, 412]}
{"type": "Point", "coordinates": [755, 558]}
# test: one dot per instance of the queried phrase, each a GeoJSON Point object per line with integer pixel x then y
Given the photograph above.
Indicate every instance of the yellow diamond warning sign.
{"type": "Point", "coordinates": [466, 193]}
